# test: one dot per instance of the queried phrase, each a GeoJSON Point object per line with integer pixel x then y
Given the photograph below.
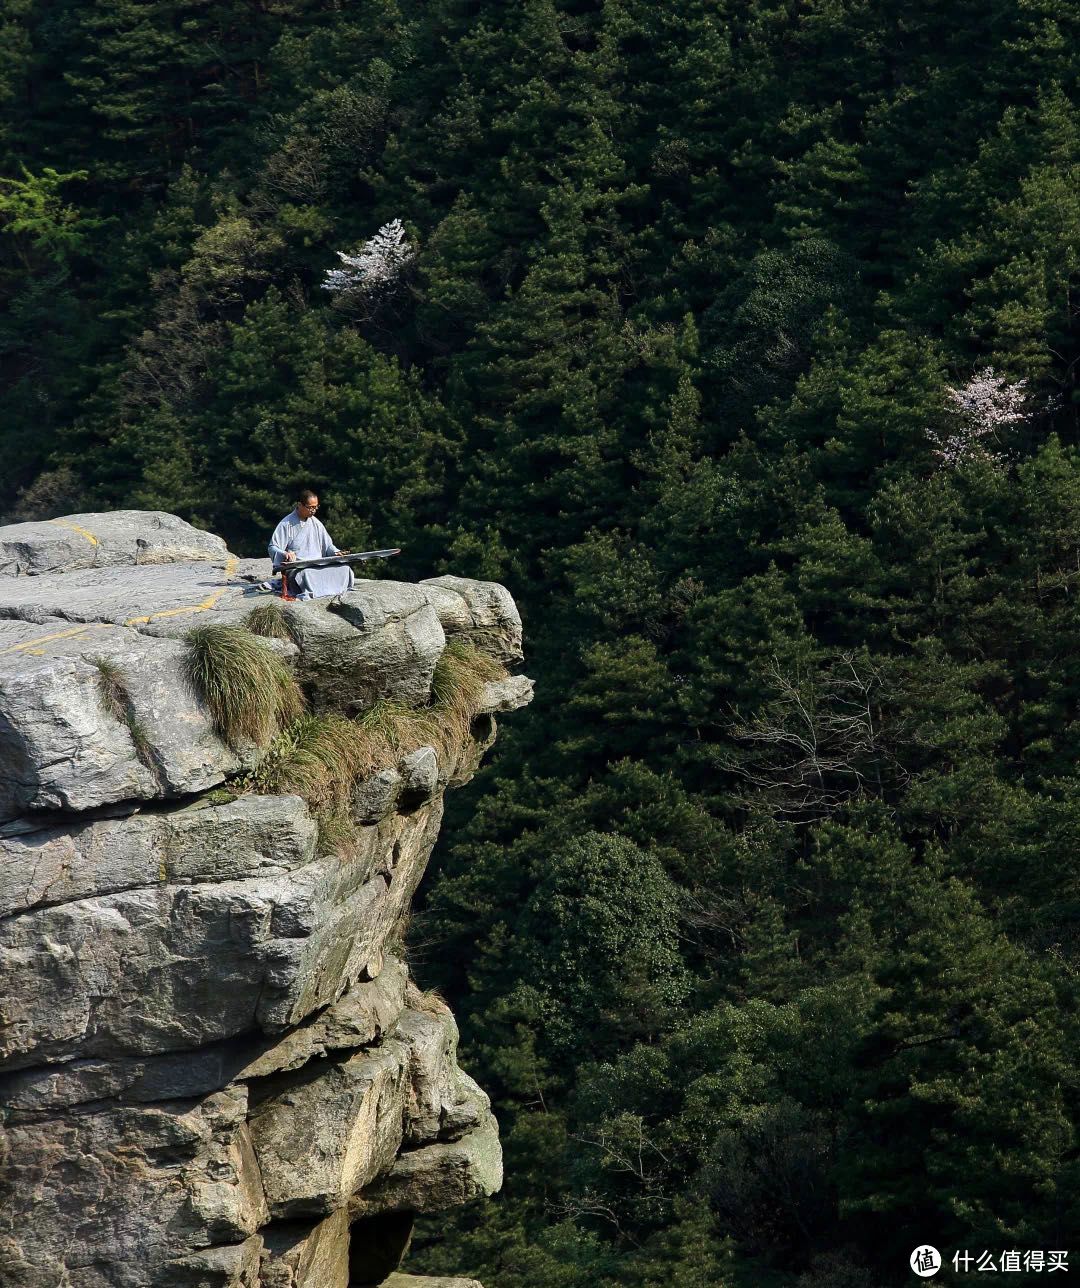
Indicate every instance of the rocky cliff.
{"type": "Point", "coordinates": [214, 1067]}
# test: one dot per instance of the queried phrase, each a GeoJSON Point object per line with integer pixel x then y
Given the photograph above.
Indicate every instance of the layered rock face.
{"type": "Point", "coordinates": [214, 1068]}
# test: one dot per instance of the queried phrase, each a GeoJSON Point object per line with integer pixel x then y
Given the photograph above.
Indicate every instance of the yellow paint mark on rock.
{"type": "Point", "coordinates": [74, 527]}
{"type": "Point", "coordinates": [202, 607]}
{"type": "Point", "coordinates": [163, 871]}
{"type": "Point", "coordinates": [32, 646]}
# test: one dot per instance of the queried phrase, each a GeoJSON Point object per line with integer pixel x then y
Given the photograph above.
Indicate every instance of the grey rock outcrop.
{"type": "Point", "coordinates": [376, 796]}
{"type": "Point", "coordinates": [361, 1017]}
{"type": "Point", "coordinates": [212, 1060]}
{"type": "Point", "coordinates": [121, 537]}
{"type": "Point", "coordinates": [511, 694]}
{"type": "Point", "coordinates": [481, 611]}
{"type": "Point", "coordinates": [419, 776]}
{"type": "Point", "coordinates": [380, 641]}
{"type": "Point", "coordinates": [438, 1176]}
{"type": "Point", "coordinates": [104, 1196]}
{"type": "Point", "coordinates": [249, 836]}
{"type": "Point", "coordinates": [301, 1255]}
{"type": "Point", "coordinates": [126, 972]}
{"type": "Point", "coordinates": [63, 748]}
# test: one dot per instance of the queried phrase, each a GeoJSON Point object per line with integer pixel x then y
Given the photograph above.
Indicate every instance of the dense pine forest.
{"type": "Point", "coordinates": [741, 341]}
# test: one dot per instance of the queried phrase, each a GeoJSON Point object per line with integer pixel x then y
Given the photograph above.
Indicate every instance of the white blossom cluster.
{"type": "Point", "coordinates": [377, 263]}
{"type": "Point", "coordinates": [979, 409]}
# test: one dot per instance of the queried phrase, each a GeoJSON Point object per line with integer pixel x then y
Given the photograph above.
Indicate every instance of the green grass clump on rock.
{"type": "Point", "coordinates": [268, 619]}
{"type": "Point", "coordinates": [111, 687]}
{"type": "Point", "coordinates": [397, 728]}
{"type": "Point", "coordinates": [250, 692]}
{"type": "Point", "coordinates": [113, 692]}
{"type": "Point", "coordinates": [323, 757]}
{"type": "Point", "coordinates": [319, 757]}
{"type": "Point", "coordinates": [457, 691]}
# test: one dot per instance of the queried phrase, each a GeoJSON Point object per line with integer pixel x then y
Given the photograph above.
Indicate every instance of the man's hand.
{"type": "Point", "coordinates": [290, 556]}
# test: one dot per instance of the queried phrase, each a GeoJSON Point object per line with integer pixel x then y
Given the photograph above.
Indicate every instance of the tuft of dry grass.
{"type": "Point", "coordinates": [268, 619]}
{"type": "Point", "coordinates": [250, 692]}
{"type": "Point", "coordinates": [113, 692]}
{"type": "Point", "coordinates": [141, 740]}
{"type": "Point", "coordinates": [324, 757]}
{"type": "Point", "coordinates": [457, 691]}
{"type": "Point", "coordinates": [398, 729]}
{"type": "Point", "coordinates": [111, 687]}
{"type": "Point", "coordinates": [430, 1001]}
{"type": "Point", "coordinates": [317, 757]}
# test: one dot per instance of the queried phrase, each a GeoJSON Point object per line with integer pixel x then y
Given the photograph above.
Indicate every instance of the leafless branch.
{"type": "Point", "coordinates": [819, 740]}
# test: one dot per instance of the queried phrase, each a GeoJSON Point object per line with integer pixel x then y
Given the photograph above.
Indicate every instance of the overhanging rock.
{"type": "Point", "coordinates": [212, 1061]}
{"type": "Point", "coordinates": [63, 748]}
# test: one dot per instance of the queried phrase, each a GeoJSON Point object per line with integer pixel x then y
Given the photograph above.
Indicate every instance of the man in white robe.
{"type": "Point", "coordinates": [301, 535]}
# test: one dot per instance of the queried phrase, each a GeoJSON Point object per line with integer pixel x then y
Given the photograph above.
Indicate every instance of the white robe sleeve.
{"type": "Point", "coordinates": [278, 541]}
{"type": "Point", "coordinates": [328, 547]}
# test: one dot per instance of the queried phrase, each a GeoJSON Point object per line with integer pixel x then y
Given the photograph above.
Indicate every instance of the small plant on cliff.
{"type": "Point", "coordinates": [430, 1001]}
{"type": "Point", "coordinates": [268, 620]}
{"type": "Point", "coordinates": [457, 690]}
{"type": "Point", "coordinates": [113, 692]}
{"type": "Point", "coordinates": [111, 687]}
{"type": "Point", "coordinates": [319, 757]}
{"type": "Point", "coordinates": [324, 757]}
{"type": "Point", "coordinates": [398, 729]}
{"type": "Point", "coordinates": [250, 692]}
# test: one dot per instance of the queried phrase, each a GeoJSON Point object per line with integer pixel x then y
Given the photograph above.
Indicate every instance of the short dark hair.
{"type": "Point", "coordinates": [306, 494]}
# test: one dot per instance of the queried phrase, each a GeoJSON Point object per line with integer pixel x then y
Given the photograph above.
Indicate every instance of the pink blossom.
{"type": "Point", "coordinates": [376, 264]}
{"type": "Point", "coordinates": [978, 411]}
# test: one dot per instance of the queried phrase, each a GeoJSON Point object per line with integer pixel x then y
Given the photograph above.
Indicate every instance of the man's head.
{"type": "Point", "coordinates": [307, 503]}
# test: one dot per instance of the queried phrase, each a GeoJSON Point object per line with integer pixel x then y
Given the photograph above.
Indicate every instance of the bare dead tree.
{"type": "Point", "coordinates": [573, 1207]}
{"type": "Point", "coordinates": [625, 1151]}
{"type": "Point", "coordinates": [818, 742]}
{"type": "Point", "coordinates": [711, 916]}
{"type": "Point", "coordinates": [167, 363]}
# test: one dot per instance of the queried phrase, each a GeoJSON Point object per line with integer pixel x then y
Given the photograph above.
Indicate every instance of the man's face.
{"type": "Point", "coordinates": [307, 508]}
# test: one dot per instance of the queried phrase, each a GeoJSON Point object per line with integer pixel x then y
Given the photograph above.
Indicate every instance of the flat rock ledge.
{"type": "Point", "coordinates": [214, 1067]}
